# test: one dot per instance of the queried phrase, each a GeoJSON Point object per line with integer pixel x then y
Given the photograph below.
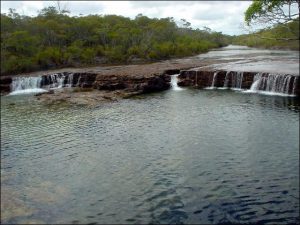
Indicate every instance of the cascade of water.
{"type": "Point", "coordinates": [70, 80]}
{"type": "Point", "coordinates": [287, 89]}
{"type": "Point", "coordinates": [57, 80]}
{"type": "Point", "coordinates": [214, 79]}
{"type": "Point", "coordinates": [273, 84]}
{"type": "Point", "coordinates": [23, 85]}
{"type": "Point", "coordinates": [286, 84]}
{"type": "Point", "coordinates": [226, 80]}
{"type": "Point", "coordinates": [257, 79]}
{"type": "Point", "coordinates": [237, 80]}
{"type": "Point", "coordinates": [52, 80]}
{"type": "Point", "coordinates": [294, 85]}
{"type": "Point", "coordinates": [174, 81]}
{"type": "Point", "coordinates": [60, 81]}
{"type": "Point", "coordinates": [278, 83]}
{"type": "Point", "coordinates": [78, 81]}
{"type": "Point", "coordinates": [240, 82]}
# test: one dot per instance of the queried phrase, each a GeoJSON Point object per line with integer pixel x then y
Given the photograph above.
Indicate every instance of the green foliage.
{"type": "Point", "coordinates": [272, 38]}
{"type": "Point", "coordinates": [270, 10]}
{"type": "Point", "coordinates": [54, 39]}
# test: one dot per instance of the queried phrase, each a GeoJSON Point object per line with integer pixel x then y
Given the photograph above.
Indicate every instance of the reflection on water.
{"type": "Point", "coordinates": [241, 58]}
{"type": "Point", "coordinates": [190, 156]}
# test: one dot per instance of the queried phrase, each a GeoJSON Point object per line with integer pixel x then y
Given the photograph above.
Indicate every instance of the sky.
{"type": "Point", "coordinates": [221, 16]}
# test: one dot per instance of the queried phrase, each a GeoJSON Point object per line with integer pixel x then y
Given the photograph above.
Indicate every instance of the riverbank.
{"type": "Point", "coordinates": [97, 84]}
{"type": "Point", "coordinates": [236, 67]}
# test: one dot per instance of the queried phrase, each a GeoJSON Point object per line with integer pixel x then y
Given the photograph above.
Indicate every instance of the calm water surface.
{"type": "Point", "coordinates": [189, 156]}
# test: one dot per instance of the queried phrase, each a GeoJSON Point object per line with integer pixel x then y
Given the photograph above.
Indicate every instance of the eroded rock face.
{"type": "Point", "coordinates": [132, 83]}
{"type": "Point", "coordinates": [130, 78]}
{"type": "Point", "coordinates": [84, 80]}
{"type": "Point", "coordinates": [145, 78]}
{"type": "Point", "coordinates": [204, 78]}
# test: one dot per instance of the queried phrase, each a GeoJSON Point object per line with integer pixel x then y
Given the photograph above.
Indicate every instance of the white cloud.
{"type": "Point", "coordinates": [221, 16]}
{"type": "Point", "coordinates": [84, 7]}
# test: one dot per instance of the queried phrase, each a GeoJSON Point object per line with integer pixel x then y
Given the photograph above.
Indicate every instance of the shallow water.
{"type": "Point", "coordinates": [242, 58]}
{"type": "Point", "coordinates": [189, 156]}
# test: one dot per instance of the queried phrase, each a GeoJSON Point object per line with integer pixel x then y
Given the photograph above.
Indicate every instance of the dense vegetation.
{"type": "Point", "coordinates": [54, 39]}
{"type": "Point", "coordinates": [282, 36]}
{"type": "Point", "coordinates": [281, 21]}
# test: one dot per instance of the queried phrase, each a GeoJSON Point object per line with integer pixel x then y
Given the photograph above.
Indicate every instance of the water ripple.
{"type": "Point", "coordinates": [188, 157]}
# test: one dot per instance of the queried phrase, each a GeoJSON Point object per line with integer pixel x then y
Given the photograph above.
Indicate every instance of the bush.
{"type": "Point", "coordinates": [88, 55]}
{"type": "Point", "coordinates": [49, 57]}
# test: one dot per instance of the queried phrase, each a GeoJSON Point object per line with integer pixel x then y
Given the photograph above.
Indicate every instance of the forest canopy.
{"type": "Point", "coordinates": [53, 39]}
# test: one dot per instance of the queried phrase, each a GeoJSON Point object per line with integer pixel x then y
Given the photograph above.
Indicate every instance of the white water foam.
{"type": "Point", "coordinates": [212, 86]}
{"type": "Point", "coordinates": [272, 84]}
{"type": "Point", "coordinates": [28, 91]}
{"type": "Point", "coordinates": [237, 81]}
{"type": "Point", "coordinates": [268, 93]}
{"type": "Point", "coordinates": [26, 85]}
{"type": "Point", "coordinates": [225, 86]}
{"type": "Point", "coordinates": [70, 80]}
{"type": "Point", "coordinates": [174, 81]}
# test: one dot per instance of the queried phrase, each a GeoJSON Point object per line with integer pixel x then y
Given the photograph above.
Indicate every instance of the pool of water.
{"type": "Point", "coordinates": [189, 156]}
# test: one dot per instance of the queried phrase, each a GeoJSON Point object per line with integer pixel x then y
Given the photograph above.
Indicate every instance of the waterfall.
{"type": "Point", "coordinates": [294, 85]}
{"type": "Point", "coordinates": [257, 79]}
{"type": "Point", "coordinates": [61, 81]}
{"type": "Point", "coordinates": [57, 80]}
{"type": "Point", "coordinates": [278, 83]}
{"type": "Point", "coordinates": [226, 80]}
{"type": "Point", "coordinates": [214, 79]}
{"type": "Point", "coordinates": [24, 85]}
{"type": "Point", "coordinates": [78, 81]}
{"type": "Point", "coordinates": [212, 86]}
{"type": "Point", "coordinates": [70, 80]}
{"type": "Point", "coordinates": [174, 81]}
{"type": "Point", "coordinates": [273, 84]}
{"type": "Point", "coordinates": [237, 81]}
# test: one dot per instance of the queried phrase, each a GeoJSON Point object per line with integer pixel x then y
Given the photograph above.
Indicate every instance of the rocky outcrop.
{"type": "Point", "coordinates": [204, 78]}
{"type": "Point", "coordinates": [84, 80]}
{"type": "Point", "coordinates": [157, 82]}
{"type": "Point", "coordinates": [109, 81]}
{"type": "Point", "coordinates": [147, 77]}
{"type": "Point", "coordinates": [143, 78]}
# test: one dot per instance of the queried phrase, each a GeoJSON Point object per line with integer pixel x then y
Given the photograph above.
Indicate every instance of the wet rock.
{"type": "Point", "coordinates": [172, 71]}
{"type": "Point", "coordinates": [155, 84]}
{"type": "Point", "coordinates": [204, 78]}
{"type": "Point", "coordinates": [81, 96]}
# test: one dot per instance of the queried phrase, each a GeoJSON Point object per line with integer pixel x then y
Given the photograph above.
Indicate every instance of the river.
{"type": "Point", "coordinates": [179, 156]}
{"type": "Point", "coordinates": [242, 58]}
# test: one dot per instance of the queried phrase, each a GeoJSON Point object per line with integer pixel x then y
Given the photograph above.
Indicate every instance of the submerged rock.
{"type": "Point", "coordinates": [87, 97]}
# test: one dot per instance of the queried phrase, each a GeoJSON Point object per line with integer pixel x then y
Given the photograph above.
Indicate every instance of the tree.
{"type": "Point", "coordinates": [54, 39]}
{"type": "Point", "coordinates": [273, 12]}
